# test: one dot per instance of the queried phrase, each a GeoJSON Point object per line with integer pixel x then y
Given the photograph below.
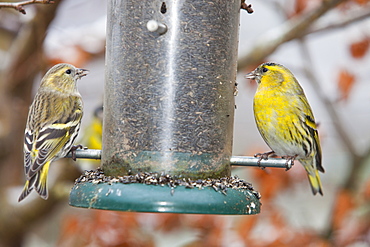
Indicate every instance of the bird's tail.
{"type": "Point", "coordinates": [313, 175]}
{"type": "Point", "coordinates": [39, 182]}
{"type": "Point", "coordinates": [26, 190]}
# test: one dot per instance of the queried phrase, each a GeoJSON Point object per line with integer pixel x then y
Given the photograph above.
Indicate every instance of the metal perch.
{"type": "Point", "coordinates": [234, 160]}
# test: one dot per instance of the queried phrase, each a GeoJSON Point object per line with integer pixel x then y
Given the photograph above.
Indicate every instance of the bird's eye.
{"type": "Point", "coordinates": [264, 70]}
{"type": "Point", "coordinates": [68, 71]}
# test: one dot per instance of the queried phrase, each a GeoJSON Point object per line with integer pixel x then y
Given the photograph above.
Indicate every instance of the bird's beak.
{"type": "Point", "coordinates": [252, 75]}
{"type": "Point", "coordinates": [81, 72]}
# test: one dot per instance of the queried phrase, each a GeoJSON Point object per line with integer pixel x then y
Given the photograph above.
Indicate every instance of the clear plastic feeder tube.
{"type": "Point", "coordinates": [169, 104]}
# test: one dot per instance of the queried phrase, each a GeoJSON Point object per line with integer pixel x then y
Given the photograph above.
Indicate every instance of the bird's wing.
{"type": "Point", "coordinates": [46, 143]}
{"type": "Point", "coordinates": [310, 124]}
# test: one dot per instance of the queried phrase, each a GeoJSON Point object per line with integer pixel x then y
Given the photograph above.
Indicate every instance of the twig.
{"type": "Point", "coordinates": [350, 18]}
{"type": "Point", "coordinates": [19, 5]}
{"type": "Point", "coordinates": [290, 30]}
{"type": "Point", "coordinates": [247, 7]}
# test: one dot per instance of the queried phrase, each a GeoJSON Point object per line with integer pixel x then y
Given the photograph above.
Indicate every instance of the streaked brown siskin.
{"type": "Point", "coordinates": [52, 126]}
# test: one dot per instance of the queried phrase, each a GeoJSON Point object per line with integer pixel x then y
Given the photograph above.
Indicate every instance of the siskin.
{"type": "Point", "coordinates": [52, 126]}
{"type": "Point", "coordinates": [285, 120]}
{"type": "Point", "coordinates": [93, 133]}
{"type": "Point", "coordinates": [92, 138]}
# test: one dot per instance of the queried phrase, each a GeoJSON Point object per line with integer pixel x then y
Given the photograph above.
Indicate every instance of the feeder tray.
{"type": "Point", "coordinates": [151, 192]}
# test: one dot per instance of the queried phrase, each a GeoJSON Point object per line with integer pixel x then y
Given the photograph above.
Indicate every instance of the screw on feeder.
{"type": "Point", "coordinates": [155, 26]}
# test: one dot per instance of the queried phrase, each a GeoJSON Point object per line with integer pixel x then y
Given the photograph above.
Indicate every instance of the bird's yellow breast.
{"type": "Point", "coordinates": [275, 116]}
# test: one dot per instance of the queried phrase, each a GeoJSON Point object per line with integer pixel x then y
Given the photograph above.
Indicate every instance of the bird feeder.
{"type": "Point", "coordinates": [169, 111]}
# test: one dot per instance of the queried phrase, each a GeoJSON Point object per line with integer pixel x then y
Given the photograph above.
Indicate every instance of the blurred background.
{"type": "Point", "coordinates": [323, 42]}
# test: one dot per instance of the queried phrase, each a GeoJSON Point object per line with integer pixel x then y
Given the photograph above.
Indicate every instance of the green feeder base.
{"type": "Point", "coordinates": [138, 197]}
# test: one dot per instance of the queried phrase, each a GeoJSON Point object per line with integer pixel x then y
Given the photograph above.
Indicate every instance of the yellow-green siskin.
{"type": "Point", "coordinates": [52, 126]}
{"type": "Point", "coordinates": [92, 138]}
{"type": "Point", "coordinates": [93, 133]}
{"type": "Point", "coordinates": [285, 120]}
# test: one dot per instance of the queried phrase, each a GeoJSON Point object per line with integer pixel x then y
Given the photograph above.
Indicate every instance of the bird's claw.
{"type": "Point", "coordinates": [263, 156]}
{"type": "Point", "coordinates": [289, 161]}
{"type": "Point", "coordinates": [73, 150]}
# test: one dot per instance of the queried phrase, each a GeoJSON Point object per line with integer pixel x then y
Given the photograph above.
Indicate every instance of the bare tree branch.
{"type": "Point", "coordinates": [358, 161]}
{"type": "Point", "coordinates": [307, 69]}
{"type": "Point", "coordinates": [350, 18]}
{"type": "Point", "coordinates": [16, 79]}
{"type": "Point", "coordinates": [290, 30]}
{"type": "Point", "coordinates": [19, 5]}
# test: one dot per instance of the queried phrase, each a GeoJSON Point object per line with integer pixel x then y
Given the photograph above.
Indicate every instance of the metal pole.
{"type": "Point", "coordinates": [170, 76]}
{"type": "Point", "coordinates": [234, 160]}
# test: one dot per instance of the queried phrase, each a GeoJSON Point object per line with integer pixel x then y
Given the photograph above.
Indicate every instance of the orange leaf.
{"type": "Point", "coordinates": [203, 222]}
{"type": "Point", "coordinates": [359, 49]}
{"type": "Point", "coordinates": [169, 222]}
{"type": "Point", "coordinates": [361, 2]}
{"type": "Point", "coordinates": [346, 81]}
{"type": "Point", "coordinates": [343, 205]}
{"type": "Point", "coordinates": [70, 225]}
{"type": "Point", "coordinates": [270, 182]}
{"type": "Point", "coordinates": [209, 227]}
{"type": "Point", "coordinates": [366, 192]}
{"type": "Point", "coordinates": [245, 226]}
{"type": "Point", "coordinates": [299, 6]}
